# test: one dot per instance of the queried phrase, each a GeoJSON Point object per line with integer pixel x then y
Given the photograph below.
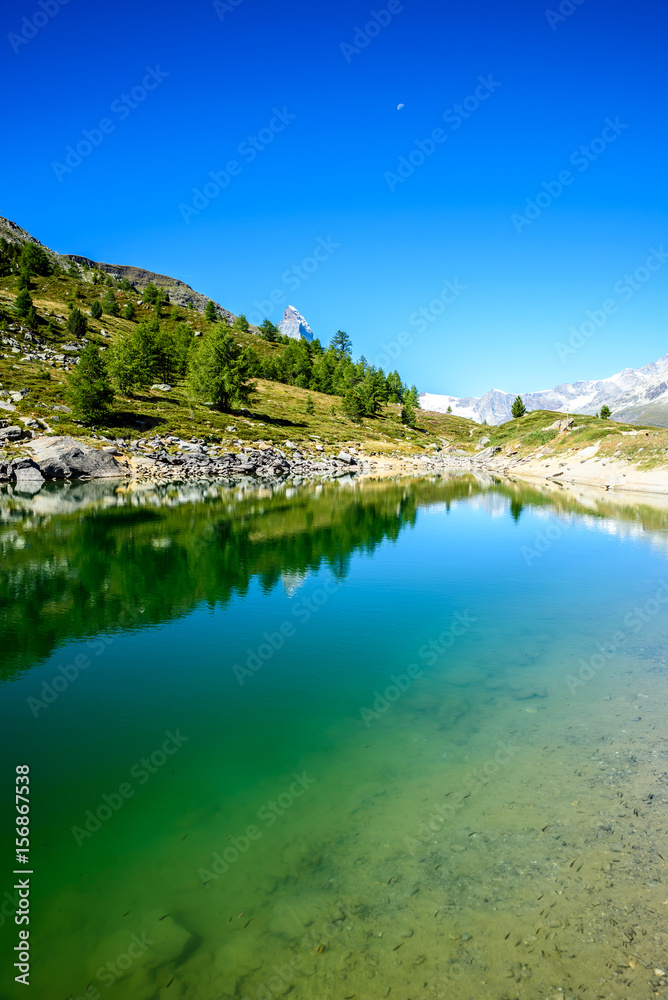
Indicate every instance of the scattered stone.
{"type": "Point", "coordinates": [485, 455]}
{"type": "Point", "coordinates": [12, 433]}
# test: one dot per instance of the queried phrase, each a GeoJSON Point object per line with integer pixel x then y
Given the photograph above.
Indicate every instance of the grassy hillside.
{"type": "Point", "coordinates": [533, 436]}
{"type": "Point", "coordinates": [279, 412]}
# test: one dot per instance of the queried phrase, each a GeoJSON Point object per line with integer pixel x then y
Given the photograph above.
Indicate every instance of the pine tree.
{"type": "Point", "coordinates": [210, 313]}
{"type": "Point", "coordinates": [342, 344]}
{"type": "Point", "coordinates": [150, 293]}
{"type": "Point", "coordinates": [518, 409]}
{"type": "Point", "coordinates": [449, 409]}
{"type": "Point", "coordinates": [241, 323]}
{"type": "Point", "coordinates": [34, 260]}
{"type": "Point", "coordinates": [269, 331]}
{"type": "Point", "coordinates": [183, 341]}
{"type": "Point", "coordinates": [127, 364]}
{"type": "Point", "coordinates": [408, 414]}
{"type": "Point", "coordinates": [395, 387]}
{"type": "Point", "coordinates": [109, 304]}
{"type": "Point", "coordinates": [129, 312]}
{"type": "Point", "coordinates": [164, 355]}
{"type": "Point", "coordinates": [220, 370]}
{"type": "Point", "coordinates": [23, 303]}
{"type": "Point", "coordinates": [32, 317]}
{"type": "Point", "coordinates": [353, 405]}
{"type": "Point", "coordinates": [368, 391]}
{"type": "Point", "coordinates": [606, 412]}
{"type": "Point", "coordinates": [89, 391]}
{"type": "Point", "coordinates": [96, 309]}
{"type": "Point", "coordinates": [77, 324]}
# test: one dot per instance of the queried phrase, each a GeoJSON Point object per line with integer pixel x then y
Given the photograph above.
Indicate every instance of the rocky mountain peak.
{"type": "Point", "coordinates": [294, 325]}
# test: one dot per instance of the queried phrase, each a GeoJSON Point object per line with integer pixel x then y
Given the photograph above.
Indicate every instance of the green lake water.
{"type": "Point", "coordinates": [374, 739]}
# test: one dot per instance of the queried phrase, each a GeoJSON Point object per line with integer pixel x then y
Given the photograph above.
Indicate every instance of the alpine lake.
{"type": "Point", "coordinates": [401, 738]}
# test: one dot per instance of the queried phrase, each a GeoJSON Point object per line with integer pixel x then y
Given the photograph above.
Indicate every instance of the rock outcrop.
{"type": "Point", "coordinates": [68, 458]}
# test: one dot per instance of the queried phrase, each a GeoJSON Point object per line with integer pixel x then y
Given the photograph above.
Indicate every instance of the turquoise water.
{"type": "Point", "coordinates": [352, 740]}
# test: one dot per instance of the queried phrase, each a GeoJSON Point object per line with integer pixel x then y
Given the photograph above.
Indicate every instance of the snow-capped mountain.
{"type": "Point", "coordinates": [295, 326]}
{"type": "Point", "coordinates": [637, 395]}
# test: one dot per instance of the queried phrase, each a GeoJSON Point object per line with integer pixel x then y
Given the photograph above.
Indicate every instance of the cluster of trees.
{"type": "Point", "coordinates": [363, 387]}
{"type": "Point", "coordinates": [218, 369]}
{"type": "Point", "coordinates": [221, 371]}
{"type": "Point", "coordinates": [30, 258]}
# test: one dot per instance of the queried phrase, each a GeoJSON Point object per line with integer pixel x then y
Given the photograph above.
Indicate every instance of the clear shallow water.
{"type": "Point", "coordinates": [341, 742]}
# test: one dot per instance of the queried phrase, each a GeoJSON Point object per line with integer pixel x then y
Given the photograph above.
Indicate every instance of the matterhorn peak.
{"type": "Point", "coordinates": [294, 325]}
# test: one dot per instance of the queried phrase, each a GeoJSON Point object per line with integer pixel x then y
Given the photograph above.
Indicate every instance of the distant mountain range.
{"type": "Point", "coordinates": [635, 395]}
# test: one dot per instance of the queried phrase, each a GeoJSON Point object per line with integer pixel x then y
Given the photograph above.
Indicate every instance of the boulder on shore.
{"type": "Point", "coordinates": [67, 457]}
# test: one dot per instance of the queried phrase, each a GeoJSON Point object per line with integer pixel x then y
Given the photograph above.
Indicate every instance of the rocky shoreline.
{"type": "Point", "coordinates": [29, 462]}
{"type": "Point", "coordinates": [62, 458]}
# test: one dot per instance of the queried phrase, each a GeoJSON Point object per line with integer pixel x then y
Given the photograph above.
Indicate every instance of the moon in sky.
{"type": "Point", "coordinates": [399, 107]}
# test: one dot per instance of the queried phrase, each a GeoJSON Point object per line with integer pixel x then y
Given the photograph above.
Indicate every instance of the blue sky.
{"type": "Point", "coordinates": [295, 111]}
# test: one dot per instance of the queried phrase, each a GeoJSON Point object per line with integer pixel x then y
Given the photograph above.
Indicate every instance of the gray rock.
{"type": "Point", "coordinates": [488, 453]}
{"type": "Point", "coordinates": [345, 457]}
{"type": "Point", "coordinates": [25, 469]}
{"type": "Point", "coordinates": [59, 457]}
{"type": "Point", "coordinates": [161, 387]}
{"type": "Point", "coordinates": [12, 433]}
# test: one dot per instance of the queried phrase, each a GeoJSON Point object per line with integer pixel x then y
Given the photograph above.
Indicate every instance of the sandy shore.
{"type": "Point", "coordinates": [583, 470]}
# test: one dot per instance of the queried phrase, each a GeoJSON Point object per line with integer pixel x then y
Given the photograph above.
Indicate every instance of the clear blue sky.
{"type": "Point", "coordinates": [322, 174]}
